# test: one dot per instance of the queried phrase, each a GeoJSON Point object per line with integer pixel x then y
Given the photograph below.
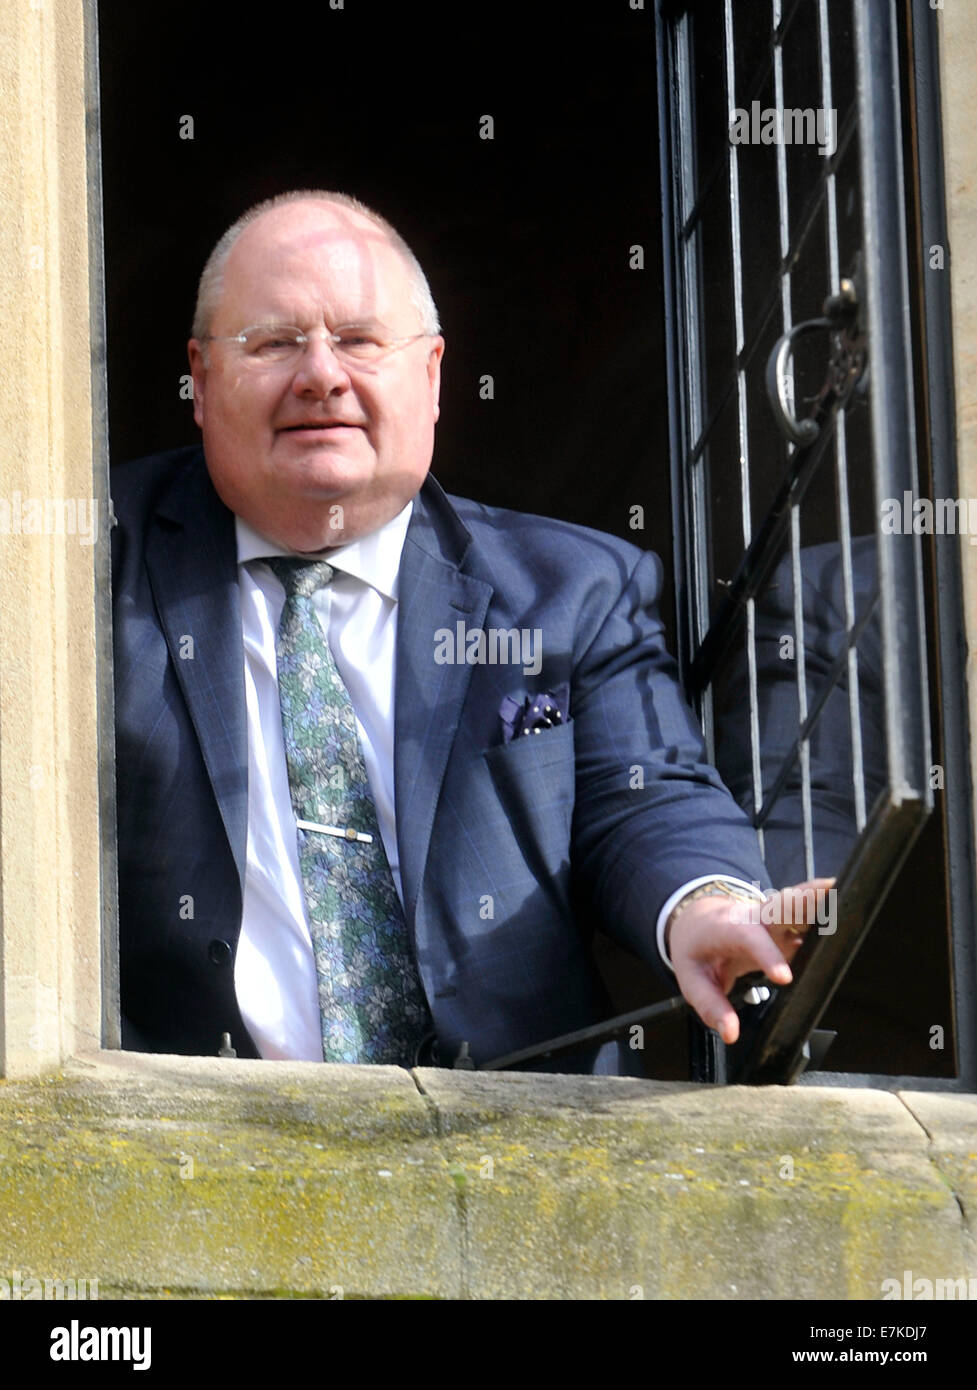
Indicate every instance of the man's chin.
{"type": "Point", "coordinates": [324, 471]}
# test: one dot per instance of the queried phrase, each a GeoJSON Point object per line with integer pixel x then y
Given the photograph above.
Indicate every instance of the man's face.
{"type": "Point", "coordinates": [287, 447]}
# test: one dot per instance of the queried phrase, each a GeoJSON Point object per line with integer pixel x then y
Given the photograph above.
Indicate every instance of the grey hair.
{"type": "Point", "coordinates": [212, 278]}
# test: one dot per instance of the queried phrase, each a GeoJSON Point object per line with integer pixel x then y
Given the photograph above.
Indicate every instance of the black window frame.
{"type": "Point", "coordinates": [917, 377]}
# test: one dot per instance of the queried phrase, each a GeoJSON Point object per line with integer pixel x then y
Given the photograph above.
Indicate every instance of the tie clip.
{"type": "Point", "coordinates": [348, 834]}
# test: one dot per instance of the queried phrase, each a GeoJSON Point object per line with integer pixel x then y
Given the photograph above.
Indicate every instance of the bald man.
{"type": "Point", "coordinates": [376, 746]}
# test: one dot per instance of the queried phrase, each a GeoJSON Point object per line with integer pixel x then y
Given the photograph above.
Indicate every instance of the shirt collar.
{"type": "Point", "coordinates": [373, 559]}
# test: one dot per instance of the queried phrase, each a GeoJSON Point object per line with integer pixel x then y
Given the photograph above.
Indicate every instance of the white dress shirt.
{"type": "Point", "coordinates": [274, 970]}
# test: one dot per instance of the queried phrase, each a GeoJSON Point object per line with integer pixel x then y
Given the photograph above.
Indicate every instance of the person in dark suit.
{"type": "Point", "coordinates": [831, 760]}
{"type": "Point", "coordinates": [521, 751]}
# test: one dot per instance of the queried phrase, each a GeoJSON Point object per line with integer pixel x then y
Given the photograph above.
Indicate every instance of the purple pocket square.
{"type": "Point", "coordinates": [534, 713]}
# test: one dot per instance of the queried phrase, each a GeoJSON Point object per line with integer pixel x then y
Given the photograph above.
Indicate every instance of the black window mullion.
{"type": "Point", "coordinates": [841, 454]}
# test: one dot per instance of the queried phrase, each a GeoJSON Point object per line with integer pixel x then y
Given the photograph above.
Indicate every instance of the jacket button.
{"type": "Point", "coordinates": [220, 952]}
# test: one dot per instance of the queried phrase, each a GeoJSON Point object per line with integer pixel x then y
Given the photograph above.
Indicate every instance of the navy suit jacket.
{"type": "Point", "coordinates": [508, 851]}
{"type": "Point", "coordinates": [833, 823]}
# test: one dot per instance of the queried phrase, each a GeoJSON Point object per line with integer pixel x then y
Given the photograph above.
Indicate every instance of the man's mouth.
{"type": "Point", "coordinates": [318, 426]}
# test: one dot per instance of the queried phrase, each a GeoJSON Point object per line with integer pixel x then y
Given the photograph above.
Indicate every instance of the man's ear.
{"type": "Point", "coordinates": [198, 370]}
{"type": "Point", "coordinates": [434, 374]}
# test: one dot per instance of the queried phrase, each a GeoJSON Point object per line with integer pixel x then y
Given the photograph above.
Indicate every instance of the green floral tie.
{"type": "Point", "coordinates": [371, 1001]}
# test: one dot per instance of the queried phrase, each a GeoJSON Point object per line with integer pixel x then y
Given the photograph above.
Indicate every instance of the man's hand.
{"type": "Point", "coordinates": [715, 940]}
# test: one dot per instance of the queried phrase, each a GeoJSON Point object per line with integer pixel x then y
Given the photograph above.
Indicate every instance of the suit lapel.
{"type": "Point", "coordinates": [191, 557]}
{"type": "Point", "coordinates": [433, 594]}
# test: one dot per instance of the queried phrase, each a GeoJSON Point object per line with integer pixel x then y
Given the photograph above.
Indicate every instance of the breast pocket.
{"type": "Point", "coordinates": [534, 778]}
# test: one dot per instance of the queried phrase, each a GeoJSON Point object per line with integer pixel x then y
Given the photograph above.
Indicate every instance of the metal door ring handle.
{"type": "Point", "coordinates": [802, 432]}
{"type": "Point", "coordinates": [846, 364]}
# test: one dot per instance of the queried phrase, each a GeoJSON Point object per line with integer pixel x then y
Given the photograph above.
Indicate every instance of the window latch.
{"type": "Point", "coordinates": [842, 320]}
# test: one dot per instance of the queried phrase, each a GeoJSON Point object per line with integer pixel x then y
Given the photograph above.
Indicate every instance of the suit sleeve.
{"type": "Point", "coordinates": [650, 814]}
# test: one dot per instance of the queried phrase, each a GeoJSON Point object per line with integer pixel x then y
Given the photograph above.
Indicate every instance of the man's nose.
{"type": "Point", "coordinates": [319, 370]}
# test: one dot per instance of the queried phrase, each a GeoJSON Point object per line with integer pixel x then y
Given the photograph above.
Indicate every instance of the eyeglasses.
{"type": "Point", "coordinates": [282, 345]}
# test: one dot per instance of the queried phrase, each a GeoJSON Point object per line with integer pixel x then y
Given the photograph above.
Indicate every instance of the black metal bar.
{"type": "Point", "coordinates": [777, 1051]}
{"type": "Point", "coordinates": [937, 359]}
{"type": "Point", "coordinates": [674, 374]}
{"type": "Point", "coordinates": [597, 1033]}
{"type": "Point", "coordinates": [841, 453]}
{"type": "Point", "coordinates": [683, 340]}
{"type": "Point", "coordinates": [707, 1054]}
{"type": "Point", "coordinates": [800, 672]}
{"type": "Point", "coordinates": [651, 1015]}
{"type": "Point", "coordinates": [692, 279]}
{"type": "Point", "coordinates": [891, 390]}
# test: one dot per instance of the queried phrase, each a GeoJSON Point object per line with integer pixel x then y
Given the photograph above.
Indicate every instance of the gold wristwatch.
{"type": "Point", "coordinates": [715, 888]}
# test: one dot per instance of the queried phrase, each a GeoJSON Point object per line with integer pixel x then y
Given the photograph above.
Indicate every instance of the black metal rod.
{"type": "Point", "coordinates": [597, 1032]}
{"type": "Point", "coordinates": [610, 1028]}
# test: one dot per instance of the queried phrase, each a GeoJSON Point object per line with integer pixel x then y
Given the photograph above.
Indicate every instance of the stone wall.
{"type": "Point", "coordinates": [172, 1177]}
